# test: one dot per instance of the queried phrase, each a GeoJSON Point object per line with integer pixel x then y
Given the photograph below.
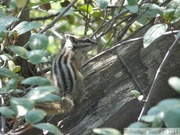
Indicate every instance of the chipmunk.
{"type": "Point", "coordinates": [66, 73]}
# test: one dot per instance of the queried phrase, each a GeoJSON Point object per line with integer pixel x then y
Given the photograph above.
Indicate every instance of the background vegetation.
{"type": "Point", "coordinates": [31, 34]}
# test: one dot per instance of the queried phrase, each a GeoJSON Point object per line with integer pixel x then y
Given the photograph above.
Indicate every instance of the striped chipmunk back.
{"type": "Point", "coordinates": [67, 66]}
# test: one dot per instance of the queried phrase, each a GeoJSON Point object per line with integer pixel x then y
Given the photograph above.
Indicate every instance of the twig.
{"type": "Point", "coordinates": [162, 65]}
{"type": "Point", "coordinates": [87, 16]}
{"type": "Point", "coordinates": [131, 74]}
{"type": "Point", "coordinates": [101, 25]}
{"type": "Point", "coordinates": [109, 41]}
{"type": "Point", "coordinates": [22, 10]}
{"type": "Point", "coordinates": [3, 118]}
{"type": "Point", "coordinates": [11, 132]}
{"type": "Point", "coordinates": [123, 43]}
{"type": "Point", "coordinates": [55, 20]}
{"type": "Point", "coordinates": [43, 18]}
{"type": "Point", "coordinates": [56, 34]}
{"type": "Point", "coordinates": [20, 14]}
{"type": "Point", "coordinates": [111, 25]}
{"type": "Point", "coordinates": [58, 17]}
{"type": "Point", "coordinates": [40, 68]}
{"type": "Point", "coordinates": [44, 70]}
{"type": "Point", "coordinates": [112, 48]}
{"type": "Point", "coordinates": [132, 20]}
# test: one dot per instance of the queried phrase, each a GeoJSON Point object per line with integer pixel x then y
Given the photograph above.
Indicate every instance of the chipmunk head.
{"type": "Point", "coordinates": [80, 42]}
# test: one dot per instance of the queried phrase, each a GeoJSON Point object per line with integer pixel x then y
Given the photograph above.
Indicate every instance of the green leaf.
{"type": "Point", "coordinates": [36, 80]}
{"type": "Point", "coordinates": [102, 4]}
{"type": "Point", "coordinates": [21, 51]}
{"type": "Point", "coordinates": [169, 103]}
{"type": "Point", "coordinates": [133, 8]}
{"type": "Point", "coordinates": [97, 14]}
{"type": "Point", "coordinates": [106, 131]}
{"type": "Point", "coordinates": [38, 41]}
{"type": "Point", "coordinates": [156, 9]}
{"type": "Point", "coordinates": [13, 67]}
{"type": "Point", "coordinates": [2, 35]}
{"type": "Point", "coordinates": [169, 14]}
{"type": "Point", "coordinates": [25, 26]}
{"type": "Point", "coordinates": [20, 3]}
{"type": "Point", "coordinates": [5, 21]}
{"type": "Point", "coordinates": [152, 12]}
{"type": "Point", "coordinates": [172, 118]}
{"type": "Point", "coordinates": [174, 82]}
{"type": "Point", "coordinates": [176, 14]}
{"type": "Point", "coordinates": [34, 116]}
{"type": "Point", "coordinates": [17, 68]}
{"type": "Point", "coordinates": [7, 112]}
{"type": "Point", "coordinates": [174, 4]}
{"type": "Point", "coordinates": [135, 93]}
{"type": "Point", "coordinates": [178, 35]}
{"type": "Point", "coordinates": [157, 123]}
{"type": "Point", "coordinates": [11, 84]}
{"type": "Point", "coordinates": [35, 56]}
{"type": "Point", "coordinates": [153, 33]}
{"type": "Point", "coordinates": [46, 126]}
{"type": "Point", "coordinates": [37, 3]}
{"type": "Point", "coordinates": [138, 125]}
{"type": "Point", "coordinates": [86, 8]}
{"type": "Point", "coordinates": [40, 92]}
{"type": "Point", "coordinates": [132, 2]}
{"type": "Point", "coordinates": [49, 97]}
{"type": "Point", "coordinates": [1, 12]}
{"type": "Point", "coordinates": [21, 106]}
{"type": "Point", "coordinates": [148, 118]}
{"type": "Point", "coordinates": [16, 91]}
{"type": "Point", "coordinates": [7, 73]}
{"type": "Point", "coordinates": [154, 110]}
{"type": "Point", "coordinates": [69, 12]}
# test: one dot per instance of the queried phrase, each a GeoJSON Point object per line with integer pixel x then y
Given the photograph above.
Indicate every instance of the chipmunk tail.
{"type": "Point", "coordinates": [52, 107]}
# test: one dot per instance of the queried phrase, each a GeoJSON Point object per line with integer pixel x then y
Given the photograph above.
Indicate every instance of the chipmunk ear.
{"type": "Point", "coordinates": [66, 36]}
{"type": "Point", "coordinates": [72, 39]}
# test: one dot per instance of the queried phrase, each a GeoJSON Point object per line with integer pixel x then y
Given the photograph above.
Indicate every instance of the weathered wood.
{"type": "Point", "coordinates": [110, 77]}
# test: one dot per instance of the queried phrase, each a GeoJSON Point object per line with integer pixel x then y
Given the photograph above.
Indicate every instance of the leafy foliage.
{"type": "Point", "coordinates": [166, 114]}
{"type": "Point", "coordinates": [21, 106]}
{"type": "Point", "coordinates": [35, 56]}
{"type": "Point", "coordinates": [169, 15]}
{"type": "Point", "coordinates": [153, 33]}
{"type": "Point", "coordinates": [6, 21]}
{"type": "Point", "coordinates": [34, 116]}
{"type": "Point", "coordinates": [7, 112]}
{"type": "Point", "coordinates": [21, 51]}
{"type": "Point", "coordinates": [25, 26]}
{"type": "Point", "coordinates": [40, 92]}
{"type": "Point", "coordinates": [36, 80]}
{"type": "Point", "coordinates": [38, 41]}
{"type": "Point", "coordinates": [46, 126]}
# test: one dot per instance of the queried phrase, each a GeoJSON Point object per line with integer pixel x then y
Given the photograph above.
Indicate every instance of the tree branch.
{"type": "Point", "coordinates": [43, 18]}
{"type": "Point", "coordinates": [58, 17]}
{"type": "Point", "coordinates": [161, 67]}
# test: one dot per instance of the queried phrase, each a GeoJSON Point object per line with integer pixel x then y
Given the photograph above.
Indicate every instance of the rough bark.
{"type": "Point", "coordinates": [109, 78]}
